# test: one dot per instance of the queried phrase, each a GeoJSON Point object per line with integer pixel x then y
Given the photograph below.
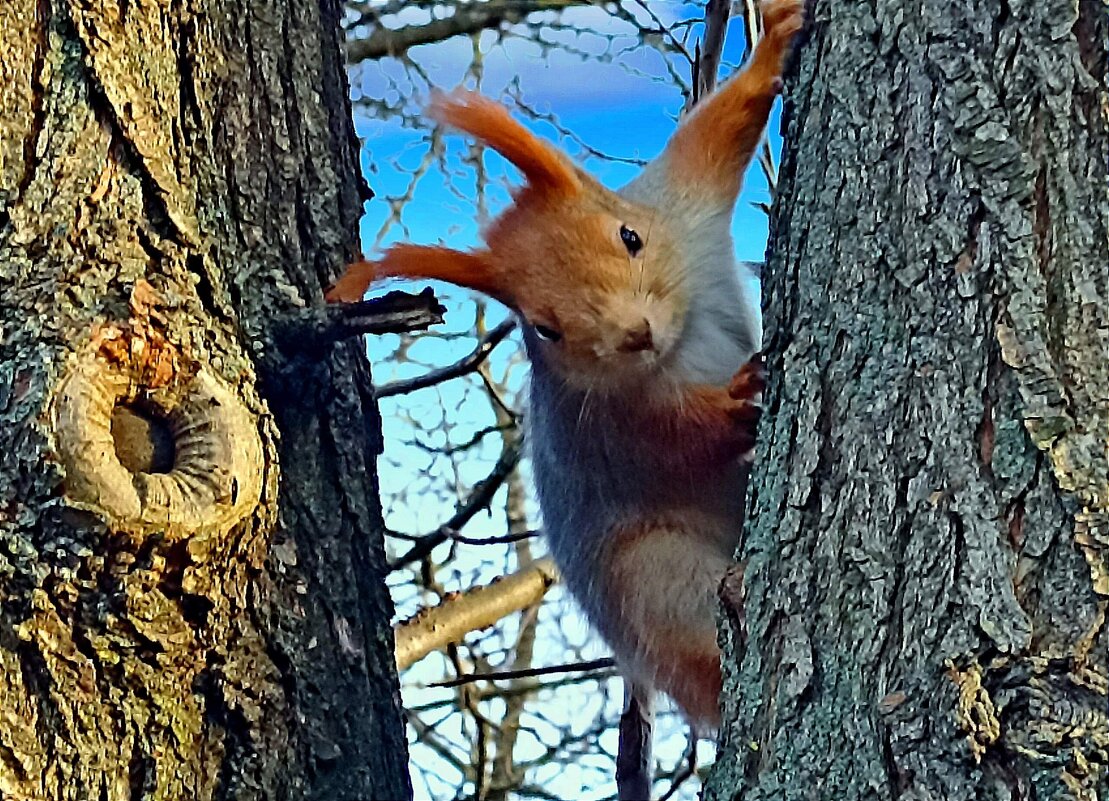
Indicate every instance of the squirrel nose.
{"type": "Point", "coordinates": [637, 338]}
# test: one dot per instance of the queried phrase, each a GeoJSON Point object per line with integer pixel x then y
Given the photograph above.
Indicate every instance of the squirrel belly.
{"type": "Point", "coordinates": [643, 518]}
{"type": "Point", "coordinates": [642, 515]}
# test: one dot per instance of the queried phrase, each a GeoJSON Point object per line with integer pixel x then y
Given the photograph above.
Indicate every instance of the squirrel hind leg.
{"type": "Point", "coordinates": [695, 683]}
{"type": "Point", "coordinates": [663, 575]}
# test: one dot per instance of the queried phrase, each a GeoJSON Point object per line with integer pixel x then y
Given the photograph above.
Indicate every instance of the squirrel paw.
{"type": "Point", "coordinates": [782, 18]}
{"type": "Point", "coordinates": [746, 390]}
{"type": "Point", "coordinates": [749, 381]}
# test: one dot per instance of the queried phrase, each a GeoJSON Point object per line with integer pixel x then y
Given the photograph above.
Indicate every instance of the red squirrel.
{"type": "Point", "coordinates": [635, 321]}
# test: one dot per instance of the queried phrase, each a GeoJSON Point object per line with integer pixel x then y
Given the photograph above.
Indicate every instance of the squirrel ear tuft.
{"type": "Point", "coordinates": [543, 166]}
{"type": "Point", "coordinates": [472, 270]}
{"type": "Point", "coordinates": [353, 283]}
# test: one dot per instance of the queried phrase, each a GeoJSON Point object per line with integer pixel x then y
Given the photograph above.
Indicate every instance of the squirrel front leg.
{"type": "Point", "coordinates": [712, 425]}
{"type": "Point", "coordinates": [712, 147]}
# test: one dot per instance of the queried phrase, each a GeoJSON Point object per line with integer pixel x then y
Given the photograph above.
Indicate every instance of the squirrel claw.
{"type": "Point", "coordinates": [745, 391]}
{"type": "Point", "coordinates": [749, 381]}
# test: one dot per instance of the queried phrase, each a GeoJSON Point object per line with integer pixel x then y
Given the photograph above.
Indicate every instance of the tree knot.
{"type": "Point", "coordinates": [151, 438]}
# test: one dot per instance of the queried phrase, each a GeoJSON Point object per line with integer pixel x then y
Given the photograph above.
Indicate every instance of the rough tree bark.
{"type": "Point", "coordinates": [191, 592]}
{"type": "Point", "coordinates": [923, 612]}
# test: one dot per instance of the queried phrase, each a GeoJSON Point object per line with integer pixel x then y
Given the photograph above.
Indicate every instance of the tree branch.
{"type": "Point", "coordinates": [712, 46]}
{"type": "Point", "coordinates": [461, 613]}
{"type": "Point", "coordinates": [634, 766]}
{"type": "Point", "coordinates": [459, 368]}
{"type": "Point", "coordinates": [499, 540]}
{"type": "Point", "coordinates": [466, 19]}
{"type": "Point", "coordinates": [685, 769]}
{"type": "Point", "coordinates": [479, 499]}
{"type": "Point", "coordinates": [504, 675]}
{"type": "Point", "coordinates": [316, 328]}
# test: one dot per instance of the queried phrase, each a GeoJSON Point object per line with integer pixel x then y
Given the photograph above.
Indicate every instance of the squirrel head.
{"type": "Point", "coordinates": [596, 278]}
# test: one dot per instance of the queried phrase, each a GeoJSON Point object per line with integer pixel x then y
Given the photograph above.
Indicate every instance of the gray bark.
{"type": "Point", "coordinates": [192, 601]}
{"type": "Point", "coordinates": [923, 612]}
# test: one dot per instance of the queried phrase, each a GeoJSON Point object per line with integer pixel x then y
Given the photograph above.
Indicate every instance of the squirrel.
{"type": "Point", "coordinates": [635, 321]}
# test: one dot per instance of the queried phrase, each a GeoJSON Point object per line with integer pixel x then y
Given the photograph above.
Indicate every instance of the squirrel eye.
{"type": "Point", "coordinates": [631, 240]}
{"type": "Point", "coordinates": [548, 334]}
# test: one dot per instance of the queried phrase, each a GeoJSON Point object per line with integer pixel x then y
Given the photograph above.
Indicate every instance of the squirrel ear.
{"type": "Point", "coordinates": [543, 166]}
{"type": "Point", "coordinates": [472, 270]}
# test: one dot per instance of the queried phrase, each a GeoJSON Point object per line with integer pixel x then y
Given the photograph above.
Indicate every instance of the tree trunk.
{"type": "Point", "coordinates": [192, 601]}
{"type": "Point", "coordinates": [923, 612]}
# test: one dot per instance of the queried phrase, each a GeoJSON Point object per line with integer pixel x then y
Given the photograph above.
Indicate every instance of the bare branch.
{"type": "Point", "coordinates": [530, 688]}
{"type": "Point", "coordinates": [580, 667]}
{"type": "Point", "coordinates": [432, 740]}
{"type": "Point", "coordinates": [519, 536]}
{"type": "Point", "coordinates": [752, 25]}
{"type": "Point", "coordinates": [460, 368]}
{"type": "Point", "coordinates": [479, 499]}
{"type": "Point", "coordinates": [433, 156]}
{"type": "Point", "coordinates": [474, 609]}
{"type": "Point", "coordinates": [634, 766]}
{"type": "Point", "coordinates": [685, 771]}
{"type": "Point", "coordinates": [467, 19]}
{"type": "Point", "coordinates": [712, 46]}
{"type": "Point", "coordinates": [668, 33]}
{"type": "Point", "coordinates": [535, 114]}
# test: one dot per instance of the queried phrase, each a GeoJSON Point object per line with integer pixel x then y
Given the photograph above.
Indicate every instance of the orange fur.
{"type": "Point", "coordinates": [710, 425]}
{"type": "Point", "coordinates": [713, 146]}
{"type": "Point", "coordinates": [353, 283]}
{"type": "Point", "coordinates": [695, 679]}
{"type": "Point", "coordinates": [491, 123]}
{"type": "Point", "coordinates": [420, 261]}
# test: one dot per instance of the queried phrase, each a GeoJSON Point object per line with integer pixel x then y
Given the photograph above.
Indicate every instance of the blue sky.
{"type": "Point", "coordinates": [615, 108]}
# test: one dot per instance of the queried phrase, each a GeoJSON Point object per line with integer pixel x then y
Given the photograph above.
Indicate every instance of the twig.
{"type": "Point", "coordinates": [667, 32]}
{"type": "Point", "coordinates": [460, 368]}
{"type": "Point", "coordinates": [479, 748]}
{"type": "Point", "coordinates": [516, 690]}
{"type": "Point", "coordinates": [479, 499]}
{"type": "Point", "coordinates": [465, 20]}
{"type": "Point", "coordinates": [396, 312]}
{"type": "Point", "coordinates": [501, 540]}
{"type": "Point", "coordinates": [634, 766]}
{"type": "Point", "coordinates": [533, 113]}
{"type": "Point", "coordinates": [712, 47]}
{"type": "Point", "coordinates": [428, 736]}
{"type": "Point", "coordinates": [752, 25]}
{"type": "Point", "coordinates": [458, 615]}
{"type": "Point", "coordinates": [505, 675]}
{"type": "Point", "coordinates": [477, 437]}
{"type": "Point", "coordinates": [688, 768]}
